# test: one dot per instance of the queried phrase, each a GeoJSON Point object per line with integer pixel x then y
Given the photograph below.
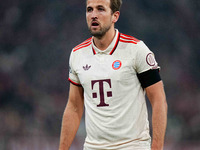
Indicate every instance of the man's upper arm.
{"type": "Point", "coordinates": [75, 92]}
{"type": "Point", "coordinates": [76, 99]}
{"type": "Point", "coordinates": [156, 92]}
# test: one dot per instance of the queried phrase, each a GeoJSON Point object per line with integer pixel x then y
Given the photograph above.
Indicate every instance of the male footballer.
{"type": "Point", "coordinates": [110, 73]}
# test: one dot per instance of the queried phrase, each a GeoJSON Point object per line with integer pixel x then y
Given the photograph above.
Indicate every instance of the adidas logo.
{"type": "Point", "coordinates": [86, 67]}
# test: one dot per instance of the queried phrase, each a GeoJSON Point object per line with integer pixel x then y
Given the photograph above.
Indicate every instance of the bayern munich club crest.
{"type": "Point", "coordinates": [116, 64]}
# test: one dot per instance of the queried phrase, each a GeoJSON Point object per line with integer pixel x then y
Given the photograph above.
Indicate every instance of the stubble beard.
{"type": "Point", "coordinates": [102, 31]}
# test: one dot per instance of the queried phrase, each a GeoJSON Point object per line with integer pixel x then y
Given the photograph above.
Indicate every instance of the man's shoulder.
{"type": "Point", "coordinates": [124, 38]}
{"type": "Point", "coordinates": [82, 45]}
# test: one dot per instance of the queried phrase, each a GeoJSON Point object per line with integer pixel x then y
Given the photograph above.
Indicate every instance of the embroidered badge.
{"type": "Point", "coordinates": [150, 60]}
{"type": "Point", "coordinates": [116, 64]}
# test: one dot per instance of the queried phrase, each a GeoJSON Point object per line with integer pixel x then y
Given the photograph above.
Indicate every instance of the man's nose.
{"type": "Point", "coordinates": [94, 14]}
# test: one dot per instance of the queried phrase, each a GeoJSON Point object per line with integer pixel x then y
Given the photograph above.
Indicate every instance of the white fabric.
{"type": "Point", "coordinates": [124, 123]}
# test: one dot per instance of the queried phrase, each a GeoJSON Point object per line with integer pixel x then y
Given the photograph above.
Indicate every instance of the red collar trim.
{"type": "Point", "coordinates": [114, 48]}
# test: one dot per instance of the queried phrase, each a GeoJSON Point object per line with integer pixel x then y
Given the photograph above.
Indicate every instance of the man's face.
{"type": "Point", "coordinates": [99, 17]}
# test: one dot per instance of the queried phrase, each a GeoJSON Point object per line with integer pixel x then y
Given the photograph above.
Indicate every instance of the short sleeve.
{"type": "Point", "coordinates": [73, 77]}
{"type": "Point", "coordinates": [145, 59]}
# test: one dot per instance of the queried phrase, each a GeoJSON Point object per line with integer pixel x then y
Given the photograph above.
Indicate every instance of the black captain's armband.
{"type": "Point", "coordinates": [149, 77]}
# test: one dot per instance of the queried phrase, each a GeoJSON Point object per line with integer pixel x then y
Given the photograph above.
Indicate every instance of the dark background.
{"type": "Point", "coordinates": [36, 37]}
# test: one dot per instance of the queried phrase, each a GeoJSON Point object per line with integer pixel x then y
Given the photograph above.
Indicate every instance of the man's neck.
{"type": "Point", "coordinates": [103, 42]}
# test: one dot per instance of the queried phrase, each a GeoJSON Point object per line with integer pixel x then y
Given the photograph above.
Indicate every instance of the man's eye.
{"type": "Point", "coordinates": [101, 9]}
{"type": "Point", "coordinates": [89, 9]}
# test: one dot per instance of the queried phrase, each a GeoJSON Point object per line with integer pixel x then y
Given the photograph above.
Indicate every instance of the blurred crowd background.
{"type": "Point", "coordinates": [36, 37]}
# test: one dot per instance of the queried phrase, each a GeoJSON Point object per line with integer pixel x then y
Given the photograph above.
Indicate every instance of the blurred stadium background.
{"type": "Point", "coordinates": [36, 37]}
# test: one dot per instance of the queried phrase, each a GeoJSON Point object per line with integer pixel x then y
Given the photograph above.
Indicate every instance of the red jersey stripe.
{"type": "Point", "coordinates": [82, 46]}
{"type": "Point", "coordinates": [129, 37]}
{"type": "Point", "coordinates": [128, 41]}
{"type": "Point", "coordinates": [83, 43]}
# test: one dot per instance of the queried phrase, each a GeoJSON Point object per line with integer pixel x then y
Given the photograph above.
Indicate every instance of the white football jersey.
{"type": "Point", "coordinates": [115, 108]}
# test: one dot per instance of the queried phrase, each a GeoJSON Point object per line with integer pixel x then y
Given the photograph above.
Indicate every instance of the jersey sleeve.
{"type": "Point", "coordinates": [73, 77]}
{"type": "Point", "coordinates": [145, 59]}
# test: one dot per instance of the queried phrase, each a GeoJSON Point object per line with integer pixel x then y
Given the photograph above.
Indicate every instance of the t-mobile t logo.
{"type": "Point", "coordinates": [101, 91]}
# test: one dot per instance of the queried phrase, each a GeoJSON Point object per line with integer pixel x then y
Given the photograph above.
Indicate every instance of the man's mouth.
{"type": "Point", "coordinates": [95, 24]}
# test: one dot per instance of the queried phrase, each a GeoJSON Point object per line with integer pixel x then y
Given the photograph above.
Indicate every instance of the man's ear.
{"type": "Point", "coordinates": [116, 16]}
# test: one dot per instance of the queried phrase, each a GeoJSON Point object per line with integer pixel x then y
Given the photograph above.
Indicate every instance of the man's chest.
{"type": "Point", "coordinates": [102, 66]}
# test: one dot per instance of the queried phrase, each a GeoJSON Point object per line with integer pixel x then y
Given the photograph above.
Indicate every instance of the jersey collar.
{"type": "Point", "coordinates": [111, 48]}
